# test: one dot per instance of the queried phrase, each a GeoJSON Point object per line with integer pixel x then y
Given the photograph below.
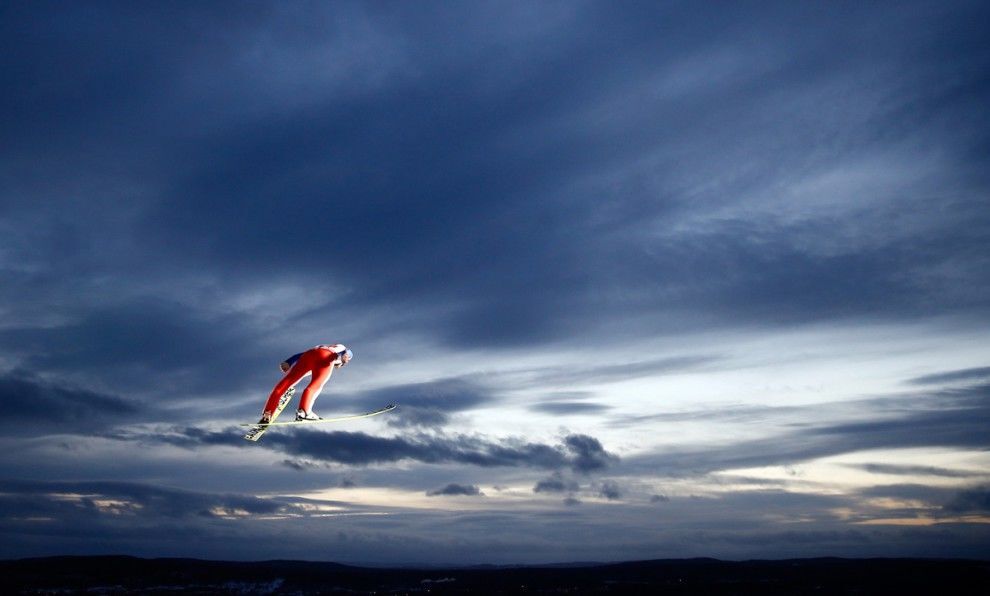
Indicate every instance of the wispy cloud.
{"type": "Point", "coordinates": [570, 407]}
{"type": "Point", "coordinates": [903, 470]}
{"type": "Point", "coordinates": [947, 418]}
{"type": "Point", "coordinates": [967, 375]}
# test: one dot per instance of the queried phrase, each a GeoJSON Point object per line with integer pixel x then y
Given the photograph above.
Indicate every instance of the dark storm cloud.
{"type": "Point", "coordinates": [581, 453]}
{"type": "Point", "coordinates": [75, 499]}
{"type": "Point", "coordinates": [947, 418]}
{"type": "Point", "coordinates": [113, 517]}
{"type": "Point", "coordinates": [36, 405]}
{"type": "Point", "coordinates": [980, 374]}
{"type": "Point", "coordinates": [130, 335]}
{"type": "Point", "coordinates": [159, 349]}
{"type": "Point", "coordinates": [659, 499]}
{"type": "Point", "coordinates": [531, 164]}
{"type": "Point", "coordinates": [186, 189]}
{"type": "Point", "coordinates": [468, 490]}
{"type": "Point", "coordinates": [975, 500]}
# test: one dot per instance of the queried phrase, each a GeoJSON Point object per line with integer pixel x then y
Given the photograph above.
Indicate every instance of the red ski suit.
{"type": "Point", "coordinates": [319, 361]}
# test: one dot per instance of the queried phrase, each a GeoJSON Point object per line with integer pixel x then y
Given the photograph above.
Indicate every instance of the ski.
{"type": "Point", "coordinates": [377, 412]}
{"type": "Point", "coordinates": [259, 429]}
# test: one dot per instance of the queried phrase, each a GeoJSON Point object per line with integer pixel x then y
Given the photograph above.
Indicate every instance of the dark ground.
{"type": "Point", "coordinates": [114, 575]}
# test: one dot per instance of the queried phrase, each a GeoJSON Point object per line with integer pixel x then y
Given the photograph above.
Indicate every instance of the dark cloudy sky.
{"type": "Point", "coordinates": [647, 279]}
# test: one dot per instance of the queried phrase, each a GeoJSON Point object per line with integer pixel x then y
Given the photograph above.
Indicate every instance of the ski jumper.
{"type": "Point", "coordinates": [320, 362]}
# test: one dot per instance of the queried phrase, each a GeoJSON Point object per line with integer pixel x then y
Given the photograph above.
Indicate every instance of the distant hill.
{"type": "Point", "coordinates": [119, 574]}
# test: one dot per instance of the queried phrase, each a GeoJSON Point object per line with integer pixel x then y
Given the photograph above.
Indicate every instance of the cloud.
{"type": "Point", "coordinates": [64, 500]}
{"type": "Point", "coordinates": [447, 395]}
{"type": "Point", "coordinates": [945, 418]}
{"type": "Point", "coordinates": [564, 408]}
{"type": "Point", "coordinates": [589, 455]}
{"type": "Point", "coordinates": [430, 404]}
{"type": "Point", "coordinates": [413, 417]}
{"type": "Point", "coordinates": [38, 405]}
{"type": "Point", "coordinates": [140, 518]}
{"type": "Point", "coordinates": [555, 484]}
{"type": "Point", "coordinates": [550, 485]}
{"type": "Point", "coordinates": [605, 373]}
{"type": "Point", "coordinates": [610, 490]}
{"type": "Point", "coordinates": [913, 491]}
{"type": "Point", "coordinates": [943, 421]}
{"type": "Point", "coordinates": [156, 346]}
{"type": "Point", "coordinates": [482, 190]}
{"type": "Point", "coordinates": [980, 374]}
{"type": "Point", "coordinates": [974, 500]}
{"type": "Point", "coordinates": [588, 193]}
{"type": "Point", "coordinates": [301, 465]}
{"type": "Point", "coordinates": [468, 490]}
{"type": "Point", "coordinates": [922, 500]}
{"type": "Point", "coordinates": [295, 464]}
{"type": "Point", "coordinates": [581, 453]}
{"type": "Point", "coordinates": [728, 413]}
{"type": "Point", "coordinates": [913, 470]}
{"type": "Point", "coordinates": [660, 498]}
